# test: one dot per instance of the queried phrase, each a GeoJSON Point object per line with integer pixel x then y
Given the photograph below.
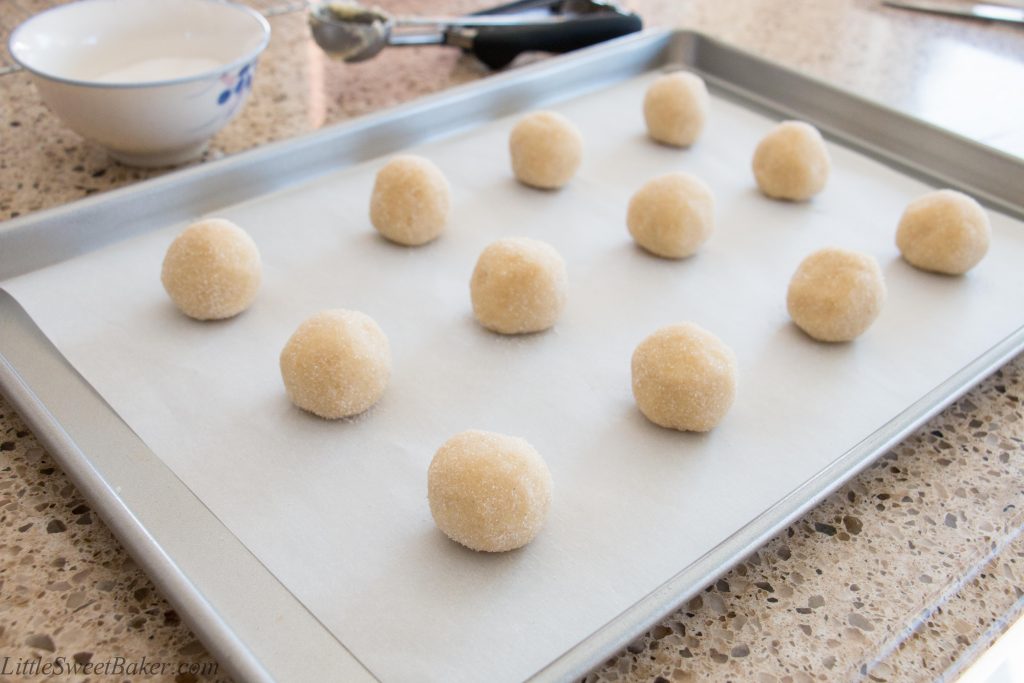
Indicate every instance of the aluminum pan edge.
{"type": "Point", "coordinates": [126, 526]}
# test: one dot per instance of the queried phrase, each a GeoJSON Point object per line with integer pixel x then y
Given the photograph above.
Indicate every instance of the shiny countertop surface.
{"type": "Point", "coordinates": [906, 573]}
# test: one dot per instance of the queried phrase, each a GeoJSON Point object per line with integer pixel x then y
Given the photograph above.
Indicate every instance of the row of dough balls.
{"type": "Point", "coordinates": [672, 215]}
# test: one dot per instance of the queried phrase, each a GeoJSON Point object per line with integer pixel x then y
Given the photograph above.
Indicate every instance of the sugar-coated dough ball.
{"type": "Point", "coordinates": [945, 232]}
{"type": "Point", "coordinates": [671, 215]}
{"type": "Point", "coordinates": [489, 491]}
{"type": "Point", "coordinates": [791, 162]}
{"type": "Point", "coordinates": [518, 286]}
{"type": "Point", "coordinates": [835, 294]}
{"type": "Point", "coordinates": [336, 364]}
{"type": "Point", "coordinates": [684, 378]}
{"type": "Point", "coordinates": [410, 201]}
{"type": "Point", "coordinates": [546, 150]}
{"type": "Point", "coordinates": [212, 270]}
{"type": "Point", "coordinates": [676, 107]}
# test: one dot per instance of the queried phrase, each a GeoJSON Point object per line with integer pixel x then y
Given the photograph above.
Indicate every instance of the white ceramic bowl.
{"type": "Point", "coordinates": [150, 80]}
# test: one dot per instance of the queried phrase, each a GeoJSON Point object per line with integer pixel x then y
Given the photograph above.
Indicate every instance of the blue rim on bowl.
{"type": "Point", "coordinates": [247, 58]}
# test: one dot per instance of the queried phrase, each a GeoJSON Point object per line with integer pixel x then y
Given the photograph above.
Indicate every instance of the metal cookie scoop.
{"type": "Point", "coordinates": [354, 33]}
{"type": "Point", "coordinates": [349, 31]}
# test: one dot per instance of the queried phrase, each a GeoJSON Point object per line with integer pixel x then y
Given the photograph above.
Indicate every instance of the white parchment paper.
{"type": "Point", "coordinates": [337, 510]}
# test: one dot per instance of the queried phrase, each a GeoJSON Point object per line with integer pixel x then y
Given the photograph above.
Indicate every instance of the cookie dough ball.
{"type": "Point", "coordinates": [672, 215]}
{"type": "Point", "coordinates": [675, 108]}
{"type": "Point", "coordinates": [518, 286]}
{"type": "Point", "coordinates": [835, 294]}
{"type": "Point", "coordinates": [684, 378]}
{"type": "Point", "coordinates": [336, 364]}
{"type": "Point", "coordinates": [212, 270]}
{"type": "Point", "coordinates": [945, 232]}
{"type": "Point", "coordinates": [546, 150]}
{"type": "Point", "coordinates": [488, 491]}
{"type": "Point", "coordinates": [410, 201]}
{"type": "Point", "coordinates": [791, 162]}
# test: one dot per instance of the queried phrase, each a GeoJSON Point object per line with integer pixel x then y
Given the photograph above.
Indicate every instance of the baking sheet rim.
{"type": "Point", "coordinates": [617, 632]}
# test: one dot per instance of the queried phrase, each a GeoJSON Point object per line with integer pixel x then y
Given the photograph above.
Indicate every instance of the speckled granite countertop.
{"type": "Point", "coordinates": [907, 573]}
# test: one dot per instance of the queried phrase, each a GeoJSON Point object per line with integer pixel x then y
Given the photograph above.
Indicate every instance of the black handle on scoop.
{"type": "Point", "coordinates": [497, 46]}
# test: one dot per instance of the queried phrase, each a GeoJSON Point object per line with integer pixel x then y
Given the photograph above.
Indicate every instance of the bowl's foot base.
{"type": "Point", "coordinates": [172, 157]}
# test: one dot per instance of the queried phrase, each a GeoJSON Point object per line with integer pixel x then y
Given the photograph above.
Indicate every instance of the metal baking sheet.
{"type": "Point", "coordinates": [205, 590]}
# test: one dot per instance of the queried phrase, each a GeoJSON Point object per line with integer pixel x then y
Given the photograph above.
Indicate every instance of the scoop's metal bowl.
{"type": "Point", "coordinates": [349, 31]}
